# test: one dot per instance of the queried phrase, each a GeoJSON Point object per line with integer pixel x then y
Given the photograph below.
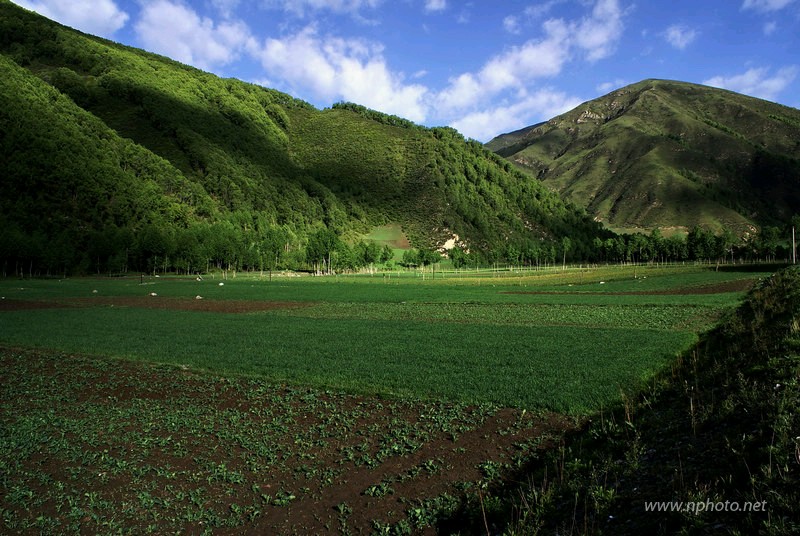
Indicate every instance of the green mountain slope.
{"type": "Point", "coordinates": [105, 144]}
{"type": "Point", "coordinates": [663, 154]}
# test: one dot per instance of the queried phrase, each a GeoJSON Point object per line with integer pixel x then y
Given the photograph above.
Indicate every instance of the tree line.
{"type": "Point", "coordinates": [258, 245]}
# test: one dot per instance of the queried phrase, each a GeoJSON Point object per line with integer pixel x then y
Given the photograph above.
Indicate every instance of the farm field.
{"type": "Point", "coordinates": [359, 404]}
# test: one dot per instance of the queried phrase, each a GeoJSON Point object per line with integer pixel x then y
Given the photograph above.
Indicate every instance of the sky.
{"type": "Point", "coordinates": [483, 67]}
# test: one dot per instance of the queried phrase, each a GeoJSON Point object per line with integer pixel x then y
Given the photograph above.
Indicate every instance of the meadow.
{"type": "Point", "coordinates": [324, 404]}
{"type": "Point", "coordinates": [516, 340]}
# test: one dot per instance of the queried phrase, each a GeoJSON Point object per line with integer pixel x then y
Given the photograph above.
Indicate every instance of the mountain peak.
{"type": "Point", "coordinates": [668, 154]}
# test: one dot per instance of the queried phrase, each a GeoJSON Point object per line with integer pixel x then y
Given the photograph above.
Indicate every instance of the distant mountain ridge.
{"type": "Point", "coordinates": [670, 155]}
{"type": "Point", "coordinates": [101, 142]}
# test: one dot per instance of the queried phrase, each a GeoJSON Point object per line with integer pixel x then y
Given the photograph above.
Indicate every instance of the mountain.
{"type": "Point", "coordinates": [107, 151]}
{"type": "Point", "coordinates": [669, 155]}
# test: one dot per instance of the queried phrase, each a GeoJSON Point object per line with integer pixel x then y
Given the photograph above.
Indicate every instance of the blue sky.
{"type": "Point", "coordinates": [483, 67]}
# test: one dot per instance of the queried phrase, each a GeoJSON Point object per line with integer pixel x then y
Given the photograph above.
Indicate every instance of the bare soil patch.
{"type": "Point", "coordinates": [167, 449]}
{"type": "Point", "coordinates": [155, 302]}
{"type": "Point", "coordinates": [26, 305]}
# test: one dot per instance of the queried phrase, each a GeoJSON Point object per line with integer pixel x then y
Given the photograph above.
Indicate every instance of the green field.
{"type": "Point", "coordinates": [567, 342]}
{"type": "Point", "coordinates": [316, 405]}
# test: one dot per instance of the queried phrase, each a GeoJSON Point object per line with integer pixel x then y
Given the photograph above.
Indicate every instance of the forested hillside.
{"type": "Point", "coordinates": [115, 159]}
{"type": "Point", "coordinates": [669, 155]}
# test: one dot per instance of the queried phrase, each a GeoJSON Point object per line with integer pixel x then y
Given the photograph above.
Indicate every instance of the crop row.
{"type": "Point", "coordinates": [175, 449]}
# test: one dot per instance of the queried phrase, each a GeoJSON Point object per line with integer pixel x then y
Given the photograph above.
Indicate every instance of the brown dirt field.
{"type": "Point", "coordinates": [155, 302]}
{"type": "Point", "coordinates": [307, 435]}
{"type": "Point", "coordinates": [23, 305]}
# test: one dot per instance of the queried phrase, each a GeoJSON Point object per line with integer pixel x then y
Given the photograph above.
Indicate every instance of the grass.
{"type": "Point", "coordinates": [526, 366]}
{"type": "Point", "coordinates": [659, 131]}
{"type": "Point", "coordinates": [535, 341]}
{"type": "Point", "coordinates": [391, 234]}
{"type": "Point", "coordinates": [377, 404]}
{"type": "Point", "coordinates": [719, 428]}
{"type": "Point", "coordinates": [96, 446]}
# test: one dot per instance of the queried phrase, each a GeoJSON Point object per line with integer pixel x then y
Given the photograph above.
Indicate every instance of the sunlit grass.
{"type": "Point", "coordinates": [563, 341]}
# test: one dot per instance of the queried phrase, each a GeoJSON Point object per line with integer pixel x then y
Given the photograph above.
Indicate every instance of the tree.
{"type": "Point", "coordinates": [367, 254]}
{"type": "Point", "coordinates": [426, 257]}
{"type": "Point", "coordinates": [513, 254]}
{"type": "Point", "coordinates": [155, 243]}
{"type": "Point", "coordinates": [723, 244]}
{"type": "Point", "coordinates": [657, 245]}
{"type": "Point", "coordinates": [697, 243]}
{"type": "Point", "coordinates": [320, 248]}
{"type": "Point", "coordinates": [387, 254]}
{"type": "Point", "coordinates": [676, 248]}
{"type": "Point", "coordinates": [566, 245]}
{"type": "Point", "coordinates": [639, 246]}
{"type": "Point", "coordinates": [458, 257]}
{"type": "Point", "coordinates": [768, 241]}
{"type": "Point", "coordinates": [272, 246]}
{"type": "Point", "coordinates": [410, 258]}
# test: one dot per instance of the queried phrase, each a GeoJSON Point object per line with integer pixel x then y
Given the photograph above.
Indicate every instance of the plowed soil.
{"type": "Point", "coordinates": [166, 449]}
{"type": "Point", "coordinates": [155, 302]}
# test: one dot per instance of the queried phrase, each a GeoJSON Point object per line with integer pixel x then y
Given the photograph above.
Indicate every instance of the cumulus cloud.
{"type": "Point", "coordinates": [766, 5]}
{"type": "Point", "coordinates": [485, 124]}
{"type": "Point", "coordinates": [541, 9]}
{"type": "Point", "coordinates": [511, 24]}
{"type": "Point", "coordinates": [606, 87]}
{"type": "Point", "coordinates": [225, 7]}
{"type": "Point", "coordinates": [598, 34]}
{"type": "Point", "coordinates": [337, 68]}
{"type": "Point", "coordinates": [594, 36]}
{"type": "Point", "coordinates": [757, 82]}
{"type": "Point", "coordinates": [97, 17]}
{"type": "Point", "coordinates": [680, 36]}
{"type": "Point", "coordinates": [301, 7]}
{"type": "Point", "coordinates": [435, 5]}
{"type": "Point", "coordinates": [511, 70]}
{"type": "Point", "coordinates": [175, 30]}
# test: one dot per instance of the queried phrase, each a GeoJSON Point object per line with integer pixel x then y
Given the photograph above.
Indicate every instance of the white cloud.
{"type": "Point", "coordinates": [595, 36]}
{"type": "Point", "coordinates": [541, 9]}
{"type": "Point", "coordinates": [766, 5]}
{"type": "Point", "coordinates": [175, 30]}
{"type": "Point", "coordinates": [770, 27]}
{"type": "Point", "coordinates": [599, 33]}
{"type": "Point", "coordinates": [512, 70]}
{"type": "Point", "coordinates": [225, 7]}
{"type": "Point", "coordinates": [435, 5]}
{"type": "Point", "coordinates": [511, 24]}
{"type": "Point", "coordinates": [300, 7]}
{"type": "Point", "coordinates": [486, 124]}
{"type": "Point", "coordinates": [607, 87]}
{"type": "Point", "coordinates": [680, 36]}
{"type": "Point", "coordinates": [350, 69]}
{"type": "Point", "coordinates": [97, 17]}
{"type": "Point", "coordinates": [757, 82]}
